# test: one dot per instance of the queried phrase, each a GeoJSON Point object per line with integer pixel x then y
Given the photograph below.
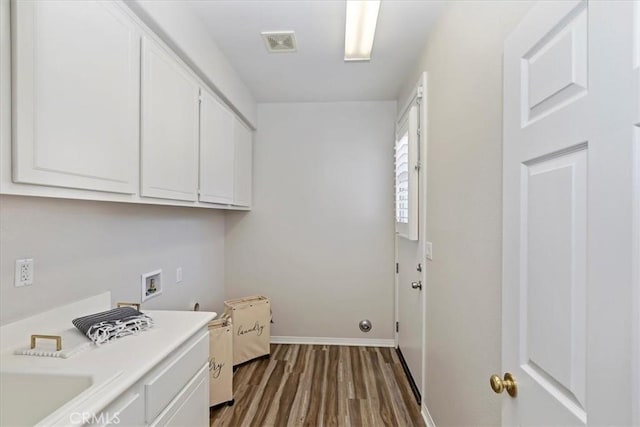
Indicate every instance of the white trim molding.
{"type": "Point", "coordinates": [426, 416]}
{"type": "Point", "coordinates": [357, 342]}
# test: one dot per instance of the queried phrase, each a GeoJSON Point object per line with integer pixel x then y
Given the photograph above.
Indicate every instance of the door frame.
{"type": "Point", "coordinates": [636, 223]}
{"type": "Point", "coordinates": [419, 91]}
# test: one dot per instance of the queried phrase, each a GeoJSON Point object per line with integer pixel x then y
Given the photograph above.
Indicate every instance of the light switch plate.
{"type": "Point", "coordinates": [428, 251]}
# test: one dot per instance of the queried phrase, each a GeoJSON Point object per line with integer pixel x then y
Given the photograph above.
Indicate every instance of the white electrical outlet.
{"type": "Point", "coordinates": [24, 272]}
{"type": "Point", "coordinates": [179, 275]}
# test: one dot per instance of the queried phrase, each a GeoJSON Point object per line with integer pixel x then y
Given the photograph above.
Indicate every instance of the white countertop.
{"type": "Point", "coordinates": [114, 366]}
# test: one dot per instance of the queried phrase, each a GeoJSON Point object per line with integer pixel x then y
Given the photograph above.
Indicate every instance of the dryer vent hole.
{"type": "Point", "coordinates": [365, 325]}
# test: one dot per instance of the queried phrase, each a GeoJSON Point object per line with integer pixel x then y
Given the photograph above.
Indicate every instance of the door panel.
{"type": "Point", "coordinates": [554, 263]}
{"type": "Point", "coordinates": [216, 151]}
{"type": "Point", "coordinates": [169, 126]}
{"type": "Point", "coordinates": [568, 139]}
{"type": "Point", "coordinates": [242, 187]}
{"type": "Point", "coordinates": [555, 69]}
{"type": "Point", "coordinates": [410, 306]}
{"type": "Point", "coordinates": [76, 104]}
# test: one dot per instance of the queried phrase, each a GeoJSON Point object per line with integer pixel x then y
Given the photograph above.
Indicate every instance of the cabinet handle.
{"type": "Point", "coordinates": [57, 338]}
{"type": "Point", "coordinates": [129, 304]}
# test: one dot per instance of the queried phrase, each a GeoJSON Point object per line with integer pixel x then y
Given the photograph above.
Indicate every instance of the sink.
{"type": "Point", "coordinates": [27, 398]}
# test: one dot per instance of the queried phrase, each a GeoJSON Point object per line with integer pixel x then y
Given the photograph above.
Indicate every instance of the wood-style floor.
{"type": "Point", "coordinates": [319, 385]}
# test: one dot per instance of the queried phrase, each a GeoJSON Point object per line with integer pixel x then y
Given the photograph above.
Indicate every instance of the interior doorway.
{"type": "Point", "coordinates": [411, 197]}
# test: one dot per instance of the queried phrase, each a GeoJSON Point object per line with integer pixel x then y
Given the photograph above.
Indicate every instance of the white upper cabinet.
{"type": "Point", "coordinates": [102, 109]}
{"type": "Point", "coordinates": [169, 147]}
{"type": "Point", "coordinates": [216, 151]}
{"type": "Point", "coordinates": [243, 164]}
{"type": "Point", "coordinates": [76, 95]}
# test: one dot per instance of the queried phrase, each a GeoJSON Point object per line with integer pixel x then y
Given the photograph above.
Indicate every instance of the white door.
{"type": "Point", "coordinates": [76, 95]}
{"type": "Point", "coordinates": [410, 267]}
{"type": "Point", "coordinates": [242, 186]}
{"type": "Point", "coordinates": [216, 151]}
{"type": "Point", "coordinates": [169, 126]}
{"type": "Point", "coordinates": [410, 290]}
{"type": "Point", "coordinates": [567, 249]}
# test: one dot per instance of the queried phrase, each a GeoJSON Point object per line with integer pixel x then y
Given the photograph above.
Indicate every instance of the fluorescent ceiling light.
{"type": "Point", "coordinates": [362, 16]}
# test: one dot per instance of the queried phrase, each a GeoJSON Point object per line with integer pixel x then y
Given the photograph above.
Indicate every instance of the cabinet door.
{"type": "Point", "coordinates": [128, 410]}
{"type": "Point", "coordinates": [169, 166]}
{"type": "Point", "coordinates": [76, 95]}
{"type": "Point", "coordinates": [191, 406]}
{"type": "Point", "coordinates": [216, 151]}
{"type": "Point", "coordinates": [243, 164]}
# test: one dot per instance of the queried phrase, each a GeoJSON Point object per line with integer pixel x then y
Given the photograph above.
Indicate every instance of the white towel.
{"type": "Point", "coordinates": [73, 342]}
{"type": "Point", "coordinates": [105, 331]}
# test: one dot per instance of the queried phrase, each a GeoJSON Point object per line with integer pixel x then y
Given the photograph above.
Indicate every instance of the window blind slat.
{"type": "Point", "coordinates": [402, 179]}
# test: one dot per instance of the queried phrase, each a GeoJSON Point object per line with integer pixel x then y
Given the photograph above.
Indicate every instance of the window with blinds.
{"type": "Point", "coordinates": [402, 179]}
{"type": "Point", "coordinates": [407, 160]}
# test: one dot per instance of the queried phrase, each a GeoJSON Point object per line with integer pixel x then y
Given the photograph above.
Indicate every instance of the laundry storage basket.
{"type": "Point", "coordinates": [251, 319]}
{"type": "Point", "coordinates": [220, 362]}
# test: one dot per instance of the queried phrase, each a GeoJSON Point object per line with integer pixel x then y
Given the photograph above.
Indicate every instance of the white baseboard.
{"type": "Point", "coordinates": [426, 416]}
{"type": "Point", "coordinates": [360, 342]}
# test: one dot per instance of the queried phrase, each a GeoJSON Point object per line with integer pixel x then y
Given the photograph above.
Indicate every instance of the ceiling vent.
{"type": "Point", "coordinates": [280, 41]}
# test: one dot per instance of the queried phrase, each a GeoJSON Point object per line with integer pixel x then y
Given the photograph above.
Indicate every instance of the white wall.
{"type": "Point", "coordinates": [319, 240]}
{"type": "Point", "coordinates": [183, 30]}
{"type": "Point", "coordinates": [84, 248]}
{"type": "Point", "coordinates": [463, 57]}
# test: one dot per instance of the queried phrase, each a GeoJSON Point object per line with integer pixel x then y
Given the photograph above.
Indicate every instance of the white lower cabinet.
{"type": "Point", "coordinates": [128, 410]}
{"type": "Point", "coordinates": [174, 393]}
{"type": "Point", "coordinates": [191, 406]}
{"type": "Point", "coordinates": [160, 386]}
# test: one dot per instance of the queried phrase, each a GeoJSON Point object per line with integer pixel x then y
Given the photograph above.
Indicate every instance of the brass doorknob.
{"type": "Point", "coordinates": [509, 383]}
